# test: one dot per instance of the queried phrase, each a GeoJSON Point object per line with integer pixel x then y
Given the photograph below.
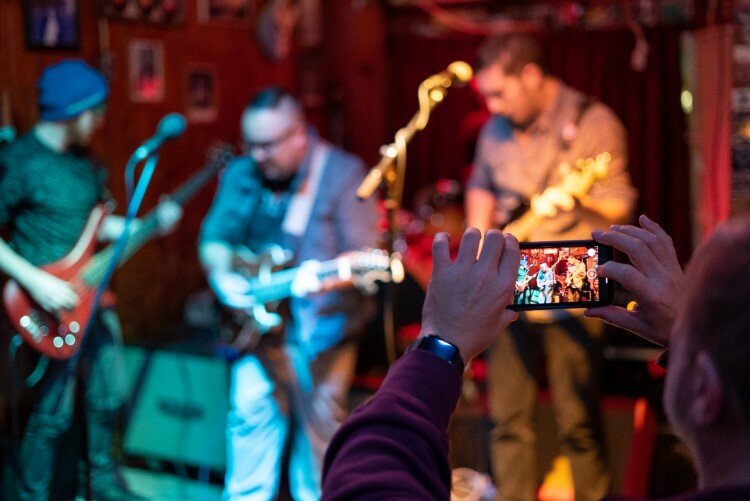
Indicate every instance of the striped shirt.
{"type": "Point", "coordinates": [46, 198]}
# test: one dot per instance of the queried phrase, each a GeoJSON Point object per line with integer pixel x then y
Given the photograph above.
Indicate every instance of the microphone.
{"type": "Point", "coordinates": [169, 127]}
{"type": "Point", "coordinates": [458, 72]}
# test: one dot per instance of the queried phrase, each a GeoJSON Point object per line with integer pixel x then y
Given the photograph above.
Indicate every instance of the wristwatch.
{"type": "Point", "coordinates": [440, 348]}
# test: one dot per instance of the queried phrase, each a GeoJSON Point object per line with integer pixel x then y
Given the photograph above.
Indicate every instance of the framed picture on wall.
{"type": "Point", "coordinates": [241, 11]}
{"type": "Point", "coordinates": [51, 24]}
{"type": "Point", "coordinates": [145, 11]}
{"type": "Point", "coordinates": [201, 94]}
{"type": "Point", "coordinates": [146, 71]}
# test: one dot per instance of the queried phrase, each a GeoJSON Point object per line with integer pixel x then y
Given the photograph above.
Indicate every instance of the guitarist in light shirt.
{"type": "Point", "coordinates": [48, 189]}
{"type": "Point", "coordinates": [538, 130]}
{"type": "Point", "coordinates": [575, 278]}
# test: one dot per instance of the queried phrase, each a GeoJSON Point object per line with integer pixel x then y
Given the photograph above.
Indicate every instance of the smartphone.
{"type": "Point", "coordinates": [562, 274]}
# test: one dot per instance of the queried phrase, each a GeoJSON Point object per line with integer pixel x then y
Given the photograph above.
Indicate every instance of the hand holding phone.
{"type": "Point", "coordinates": [654, 279]}
{"type": "Point", "coordinates": [562, 274]}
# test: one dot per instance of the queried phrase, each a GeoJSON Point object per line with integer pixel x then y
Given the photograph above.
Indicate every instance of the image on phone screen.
{"type": "Point", "coordinates": [561, 274]}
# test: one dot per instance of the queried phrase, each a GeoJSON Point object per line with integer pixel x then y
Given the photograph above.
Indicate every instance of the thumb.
{"type": "Point", "coordinates": [614, 315]}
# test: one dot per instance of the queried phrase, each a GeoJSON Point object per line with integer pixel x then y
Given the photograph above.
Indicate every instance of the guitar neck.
{"type": "Point", "coordinates": [187, 190]}
{"type": "Point", "coordinates": [280, 285]}
{"type": "Point", "coordinates": [148, 226]}
{"type": "Point", "coordinates": [575, 184]}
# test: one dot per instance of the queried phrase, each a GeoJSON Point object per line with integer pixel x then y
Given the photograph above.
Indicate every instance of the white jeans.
{"type": "Point", "coordinates": [258, 426]}
{"type": "Point", "coordinates": [257, 430]}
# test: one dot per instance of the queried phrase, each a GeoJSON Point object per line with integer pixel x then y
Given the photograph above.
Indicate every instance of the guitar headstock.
{"type": "Point", "coordinates": [374, 265]}
{"type": "Point", "coordinates": [598, 165]}
{"type": "Point", "coordinates": [220, 153]}
{"type": "Point", "coordinates": [369, 259]}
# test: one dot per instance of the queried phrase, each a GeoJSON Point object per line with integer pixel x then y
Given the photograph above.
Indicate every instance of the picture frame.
{"type": "Point", "coordinates": [163, 12]}
{"type": "Point", "coordinates": [239, 12]}
{"type": "Point", "coordinates": [51, 24]}
{"type": "Point", "coordinates": [146, 71]}
{"type": "Point", "coordinates": [201, 93]}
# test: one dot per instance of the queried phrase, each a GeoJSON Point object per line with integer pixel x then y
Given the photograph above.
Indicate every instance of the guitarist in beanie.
{"type": "Point", "coordinates": [48, 189]}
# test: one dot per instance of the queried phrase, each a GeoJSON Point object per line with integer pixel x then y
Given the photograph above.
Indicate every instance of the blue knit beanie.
{"type": "Point", "coordinates": [69, 88]}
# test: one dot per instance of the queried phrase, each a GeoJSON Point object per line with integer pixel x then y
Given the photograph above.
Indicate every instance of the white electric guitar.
{"type": "Point", "coordinates": [265, 287]}
{"type": "Point", "coordinates": [577, 180]}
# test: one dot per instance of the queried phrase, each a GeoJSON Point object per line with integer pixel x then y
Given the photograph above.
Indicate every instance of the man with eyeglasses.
{"type": "Point", "coordinates": [296, 192]}
{"type": "Point", "coordinates": [48, 188]}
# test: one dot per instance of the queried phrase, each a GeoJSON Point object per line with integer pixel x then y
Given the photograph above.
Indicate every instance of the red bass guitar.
{"type": "Point", "coordinates": [59, 336]}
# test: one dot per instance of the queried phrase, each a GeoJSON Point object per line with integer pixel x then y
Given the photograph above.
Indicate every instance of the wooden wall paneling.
{"type": "Point", "coordinates": [355, 51]}
{"type": "Point", "coordinates": [6, 69]}
{"type": "Point", "coordinates": [152, 287]}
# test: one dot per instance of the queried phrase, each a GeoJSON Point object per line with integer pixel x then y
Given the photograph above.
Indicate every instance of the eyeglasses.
{"type": "Point", "coordinates": [267, 148]}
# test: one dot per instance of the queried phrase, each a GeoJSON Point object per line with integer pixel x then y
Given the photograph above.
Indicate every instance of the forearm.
{"type": "Point", "coordinates": [613, 210]}
{"type": "Point", "coordinates": [400, 434]}
{"type": "Point", "coordinates": [480, 206]}
{"type": "Point", "coordinates": [51, 293]}
{"type": "Point", "coordinates": [13, 265]}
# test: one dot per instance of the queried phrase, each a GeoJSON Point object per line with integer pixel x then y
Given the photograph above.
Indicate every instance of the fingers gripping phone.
{"type": "Point", "coordinates": [562, 274]}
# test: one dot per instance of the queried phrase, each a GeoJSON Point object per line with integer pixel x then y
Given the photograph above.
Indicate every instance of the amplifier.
{"type": "Point", "coordinates": [178, 407]}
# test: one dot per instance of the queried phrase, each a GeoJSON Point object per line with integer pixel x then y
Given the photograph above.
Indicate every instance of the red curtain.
{"type": "Point", "coordinates": [596, 62]}
{"type": "Point", "coordinates": [713, 86]}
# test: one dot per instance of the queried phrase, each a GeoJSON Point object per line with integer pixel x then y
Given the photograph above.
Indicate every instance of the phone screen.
{"type": "Point", "coordinates": [561, 274]}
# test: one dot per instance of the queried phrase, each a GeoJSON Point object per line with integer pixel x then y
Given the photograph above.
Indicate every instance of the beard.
{"type": "Point", "coordinates": [276, 180]}
{"type": "Point", "coordinates": [523, 123]}
{"type": "Point", "coordinates": [273, 174]}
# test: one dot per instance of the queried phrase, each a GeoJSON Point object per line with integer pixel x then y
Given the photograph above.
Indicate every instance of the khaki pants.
{"type": "Point", "coordinates": [573, 357]}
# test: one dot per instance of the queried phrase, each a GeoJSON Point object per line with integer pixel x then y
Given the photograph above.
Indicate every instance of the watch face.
{"type": "Point", "coordinates": [442, 349]}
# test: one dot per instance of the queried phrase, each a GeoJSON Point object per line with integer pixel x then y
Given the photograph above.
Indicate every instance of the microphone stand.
{"type": "Point", "coordinates": [134, 198]}
{"type": "Point", "coordinates": [391, 169]}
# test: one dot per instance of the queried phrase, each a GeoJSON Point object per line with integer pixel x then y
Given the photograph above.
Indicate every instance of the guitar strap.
{"type": "Point", "coordinates": [568, 134]}
{"type": "Point", "coordinates": [300, 208]}
{"type": "Point", "coordinates": [583, 105]}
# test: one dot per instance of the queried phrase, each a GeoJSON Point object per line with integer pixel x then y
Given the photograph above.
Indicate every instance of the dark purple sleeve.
{"type": "Point", "coordinates": [395, 446]}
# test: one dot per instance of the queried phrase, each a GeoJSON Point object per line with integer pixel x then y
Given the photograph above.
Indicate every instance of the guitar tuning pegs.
{"type": "Point", "coordinates": [221, 151]}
